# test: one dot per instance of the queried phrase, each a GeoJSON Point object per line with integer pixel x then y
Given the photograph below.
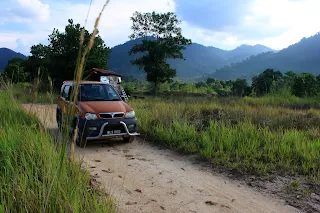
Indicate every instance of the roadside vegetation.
{"type": "Point", "coordinates": [249, 139]}
{"type": "Point", "coordinates": [33, 176]}
{"type": "Point", "coordinates": [23, 93]}
{"type": "Point", "coordinates": [39, 173]}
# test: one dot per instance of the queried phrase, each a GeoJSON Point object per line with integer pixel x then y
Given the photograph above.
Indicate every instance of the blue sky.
{"type": "Point", "coordinates": [225, 24]}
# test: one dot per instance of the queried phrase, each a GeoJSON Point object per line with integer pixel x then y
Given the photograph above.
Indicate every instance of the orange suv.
{"type": "Point", "coordinates": [99, 112]}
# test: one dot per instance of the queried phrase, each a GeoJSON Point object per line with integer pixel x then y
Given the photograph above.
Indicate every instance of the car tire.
{"type": "Point", "coordinates": [80, 138]}
{"type": "Point", "coordinates": [81, 142]}
{"type": "Point", "coordinates": [129, 139]}
{"type": "Point", "coordinates": [59, 121]}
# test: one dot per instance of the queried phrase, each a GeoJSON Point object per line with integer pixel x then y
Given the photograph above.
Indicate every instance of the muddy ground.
{"type": "Point", "coordinates": [144, 177]}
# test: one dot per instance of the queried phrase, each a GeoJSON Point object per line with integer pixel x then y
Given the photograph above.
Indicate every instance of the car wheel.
{"type": "Point", "coordinates": [59, 123]}
{"type": "Point", "coordinates": [128, 139]}
{"type": "Point", "coordinates": [80, 138]}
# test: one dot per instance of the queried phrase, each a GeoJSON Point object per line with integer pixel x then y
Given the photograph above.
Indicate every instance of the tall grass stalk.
{"type": "Point", "coordinates": [80, 65]}
{"type": "Point", "coordinates": [71, 111]}
{"type": "Point", "coordinates": [29, 160]}
{"type": "Point", "coordinates": [36, 86]}
{"type": "Point", "coordinates": [58, 195]}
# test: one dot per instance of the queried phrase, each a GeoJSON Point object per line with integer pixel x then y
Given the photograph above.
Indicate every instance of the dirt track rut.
{"type": "Point", "coordinates": [145, 178]}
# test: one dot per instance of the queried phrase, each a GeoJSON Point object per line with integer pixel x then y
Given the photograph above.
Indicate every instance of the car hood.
{"type": "Point", "coordinates": [104, 106]}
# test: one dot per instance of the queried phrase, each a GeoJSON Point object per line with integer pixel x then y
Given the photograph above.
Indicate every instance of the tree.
{"type": "Point", "coordinates": [39, 58]}
{"type": "Point", "coordinates": [289, 77]}
{"type": "Point", "coordinates": [304, 84]}
{"type": "Point", "coordinates": [15, 70]}
{"type": "Point", "coordinates": [201, 84]}
{"type": "Point", "coordinates": [240, 87]}
{"type": "Point", "coordinates": [60, 56]}
{"type": "Point", "coordinates": [210, 80]}
{"type": "Point", "coordinates": [161, 39]}
{"type": "Point", "coordinates": [318, 83]}
{"type": "Point", "coordinates": [264, 82]}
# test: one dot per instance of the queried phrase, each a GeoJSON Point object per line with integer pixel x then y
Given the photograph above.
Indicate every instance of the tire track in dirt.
{"type": "Point", "coordinates": [145, 178]}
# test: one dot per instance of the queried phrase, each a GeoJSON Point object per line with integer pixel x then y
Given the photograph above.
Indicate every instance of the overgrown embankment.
{"type": "Point", "coordinates": [32, 176]}
{"type": "Point", "coordinates": [255, 139]}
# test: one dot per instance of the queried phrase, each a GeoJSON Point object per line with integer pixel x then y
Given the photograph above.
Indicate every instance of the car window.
{"type": "Point", "coordinates": [97, 92]}
{"type": "Point", "coordinates": [61, 91]}
{"type": "Point", "coordinates": [66, 91]}
{"type": "Point", "coordinates": [69, 93]}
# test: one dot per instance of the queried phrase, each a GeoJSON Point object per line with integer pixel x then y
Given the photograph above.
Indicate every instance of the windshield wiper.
{"type": "Point", "coordinates": [99, 99]}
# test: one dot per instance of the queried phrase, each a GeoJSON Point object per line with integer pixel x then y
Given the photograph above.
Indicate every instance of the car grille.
{"type": "Point", "coordinates": [111, 127]}
{"type": "Point", "coordinates": [111, 115]}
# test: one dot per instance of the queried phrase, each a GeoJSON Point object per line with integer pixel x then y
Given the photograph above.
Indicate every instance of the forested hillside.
{"type": "Point", "coordinates": [303, 56]}
{"type": "Point", "coordinates": [199, 59]}
{"type": "Point", "coordinates": [7, 54]}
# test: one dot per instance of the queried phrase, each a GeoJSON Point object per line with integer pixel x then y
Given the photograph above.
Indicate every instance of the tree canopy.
{"type": "Point", "coordinates": [15, 70]}
{"type": "Point", "coordinates": [162, 39]}
{"type": "Point", "coordinates": [305, 84]}
{"type": "Point", "coordinates": [263, 83]}
{"type": "Point", "coordinates": [59, 58]}
{"type": "Point", "coordinates": [240, 87]}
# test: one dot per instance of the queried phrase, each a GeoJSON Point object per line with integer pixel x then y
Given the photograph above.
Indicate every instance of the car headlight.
{"type": "Point", "coordinates": [90, 116]}
{"type": "Point", "coordinates": [130, 114]}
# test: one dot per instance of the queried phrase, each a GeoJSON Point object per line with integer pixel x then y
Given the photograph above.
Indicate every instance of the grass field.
{"type": "Point", "coordinates": [23, 92]}
{"type": "Point", "coordinates": [250, 135]}
{"type": "Point", "coordinates": [33, 176]}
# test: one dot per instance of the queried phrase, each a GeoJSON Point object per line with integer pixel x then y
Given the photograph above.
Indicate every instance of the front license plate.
{"type": "Point", "coordinates": [116, 131]}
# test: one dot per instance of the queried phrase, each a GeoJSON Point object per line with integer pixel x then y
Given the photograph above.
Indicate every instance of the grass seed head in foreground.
{"type": "Point", "coordinates": [29, 160]}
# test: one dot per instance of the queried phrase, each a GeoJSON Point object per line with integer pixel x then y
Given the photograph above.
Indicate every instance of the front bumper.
{"type": "Point", "coordinates": [100, 128]}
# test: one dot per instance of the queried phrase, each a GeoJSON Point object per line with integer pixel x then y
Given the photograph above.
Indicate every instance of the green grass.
{"type": "Point", "coordinates": [32, 177]}
{"type": "Point", "coordinates": [234, 134]}
{"type": "Point", "coordinates": [23, 93]}
{"type": "Point", "coordinates": [285, 101]}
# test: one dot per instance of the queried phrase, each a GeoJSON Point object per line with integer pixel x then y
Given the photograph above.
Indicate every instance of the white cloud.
{"type": "Point", "coordinates": [36, 8]}
{"type": "Point", "coordinates": [21, 42]}
{"type": "Point", "coordinates": [298, 19]}
{"type": "Point", "coordinates": [115, 23]}
{"type": "Point", "coordinates": [275, 23]}
{"type": "Point", "coordinates": [114, 26]}
{"type": "Point", "coordinates": [24, 11]}
{"type": "Point", "coordinates": [209, 38]}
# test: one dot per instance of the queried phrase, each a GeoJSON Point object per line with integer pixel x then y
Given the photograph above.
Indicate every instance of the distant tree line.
{"type": "Point", "coordinates": [271, 81]}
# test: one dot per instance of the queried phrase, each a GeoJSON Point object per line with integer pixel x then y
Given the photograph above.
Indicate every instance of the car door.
{"type": "Point", "coordinates": [72, 108]}
{"type": "Point", "coordinates": [64, 100]}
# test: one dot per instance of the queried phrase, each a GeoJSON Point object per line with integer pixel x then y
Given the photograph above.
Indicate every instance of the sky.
{"type": "Point", "coordinates": [225, 24]}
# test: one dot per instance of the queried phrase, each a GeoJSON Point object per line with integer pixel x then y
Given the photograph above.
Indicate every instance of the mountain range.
{"type": "Point", "coordinates": [6, 54]}
{"type": "Point", "coordinates": [201, 62]}
{"type": "Point", "coordinates": [199, 59]}
{"type": "Point", "coordinates": [303, 56]}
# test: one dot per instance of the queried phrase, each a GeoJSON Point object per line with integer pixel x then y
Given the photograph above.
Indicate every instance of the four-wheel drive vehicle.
{"type": "Point", "coordinates": [98, 114]}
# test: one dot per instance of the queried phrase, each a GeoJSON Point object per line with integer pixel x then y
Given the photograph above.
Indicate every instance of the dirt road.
{"type": "Point", "coordinates": [144, 178]}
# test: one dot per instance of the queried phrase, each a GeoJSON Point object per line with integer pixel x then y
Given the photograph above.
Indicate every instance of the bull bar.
{"type": "Point", "coordinates": [101, 135]}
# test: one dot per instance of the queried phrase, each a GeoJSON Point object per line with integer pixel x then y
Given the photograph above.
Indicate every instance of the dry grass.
{"type": "Point", "coordinates": [253, 139]}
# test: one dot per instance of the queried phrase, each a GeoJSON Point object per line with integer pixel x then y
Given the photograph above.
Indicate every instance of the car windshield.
{"type": "Point", "coordinates": [97, 92]}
